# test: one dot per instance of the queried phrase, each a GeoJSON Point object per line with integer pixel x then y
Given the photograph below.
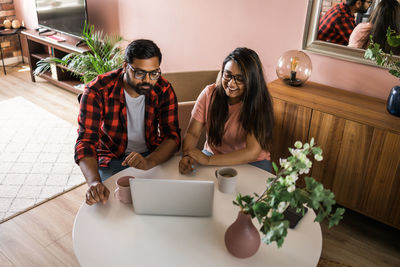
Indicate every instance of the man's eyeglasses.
{"type": "Point", "coordinates": [227, 76]}
{"type": "Point", "coordinates": [141, 74]}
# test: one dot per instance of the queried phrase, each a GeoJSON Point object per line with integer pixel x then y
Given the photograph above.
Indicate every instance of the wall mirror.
{"type": "Point", "coordinates": [310, 42]}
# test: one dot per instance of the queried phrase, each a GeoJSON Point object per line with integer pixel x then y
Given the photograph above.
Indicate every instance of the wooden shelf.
{"type": "Point", "coordinates": [40, 56]}
{"type": "Point", "coordinates": [68, 85]}
{"type": "Point", "coordinates": [39, 47]}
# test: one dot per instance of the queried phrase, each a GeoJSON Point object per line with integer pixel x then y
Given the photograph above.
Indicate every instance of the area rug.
{"type": "Point", "coordinates": [36, 157]}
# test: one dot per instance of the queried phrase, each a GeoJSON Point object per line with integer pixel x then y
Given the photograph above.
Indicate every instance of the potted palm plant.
{"type": "Point", "coordinates": [387, 60]}
{"type": "Point", "coordinates": [105, 55]}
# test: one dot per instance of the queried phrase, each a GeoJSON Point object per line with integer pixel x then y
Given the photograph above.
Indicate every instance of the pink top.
{"type": "Point", "coordinates": [360, 35]}
{"type": "Point", "coordinates": [234, 137]}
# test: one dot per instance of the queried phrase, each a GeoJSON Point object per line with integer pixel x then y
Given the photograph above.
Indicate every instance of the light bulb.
{"type": "Point", "coordinates": [294, 62]}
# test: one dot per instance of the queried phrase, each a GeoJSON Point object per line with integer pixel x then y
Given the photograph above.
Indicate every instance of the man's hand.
{"type": "Point", "coordinates": [186, 165]}
{"type": "Point", "coordinates": [97, 192]}
{"type": "Point", "coordinates": [136, 160]}
{"type": "Point", "coordinates": [199, 156]}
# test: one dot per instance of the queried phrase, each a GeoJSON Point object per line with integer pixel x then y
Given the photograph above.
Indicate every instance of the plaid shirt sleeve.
{"type": "Point", "coordinates": [169, 117]}
{"type": "Point", "coordinates": [164, 110]}
{"type": "Point", "coordinates": [337, 25]}
{"type": "Point", "coordinates": [344, 28]}
{"type": "Point", "coordinates": [89, 124]}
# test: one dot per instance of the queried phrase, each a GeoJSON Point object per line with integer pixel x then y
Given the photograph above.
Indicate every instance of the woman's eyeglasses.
{"type": "Point", "coordinates": [141, 74]}
{"type": "Point", "coordinates": [227, 76]}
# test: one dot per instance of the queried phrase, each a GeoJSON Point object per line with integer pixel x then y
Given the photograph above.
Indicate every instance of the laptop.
{"type": "Point", "coordinates": [172, 197]}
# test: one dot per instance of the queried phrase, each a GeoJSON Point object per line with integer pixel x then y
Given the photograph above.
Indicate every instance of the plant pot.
{"type": "Point", "coordinates": [393, 102]}
{"type": "Point", "coordinates": [242, 238]}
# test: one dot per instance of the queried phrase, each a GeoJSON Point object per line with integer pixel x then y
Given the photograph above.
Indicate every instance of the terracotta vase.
{"type": "Point", "coordinates": [242, 238]}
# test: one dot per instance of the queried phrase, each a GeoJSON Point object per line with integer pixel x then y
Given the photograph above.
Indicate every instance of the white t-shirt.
{"type": "Point", "coordinates": [135, 124]}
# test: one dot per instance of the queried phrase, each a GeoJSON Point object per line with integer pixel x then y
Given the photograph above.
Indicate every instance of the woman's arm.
{"type": "Point", "coordinates": [189, 143]}
{"type": "Point", "coordinates": [245, 155]}
{"type": "Point", "coordinates": [192, 135]}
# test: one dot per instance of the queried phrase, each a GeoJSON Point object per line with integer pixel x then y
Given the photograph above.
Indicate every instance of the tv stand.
{"type": "Point", "coordinates": [80, 42]}
{"type": "Point", "coordinates": [43, 30]}
{"type": "Point", "coordinates": [40, 47]}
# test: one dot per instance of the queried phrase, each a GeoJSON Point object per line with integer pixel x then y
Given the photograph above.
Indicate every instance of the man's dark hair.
{"type": "Point", "coordinates": [142, 49]}
{"type": "Point", "coordinates": [353, 2]}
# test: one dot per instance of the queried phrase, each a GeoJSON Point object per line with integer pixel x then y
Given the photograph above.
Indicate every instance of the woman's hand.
{"type": "Point", "coordinates": [199, 156]}
{"type": "Point", "coordinates": [186, 165]}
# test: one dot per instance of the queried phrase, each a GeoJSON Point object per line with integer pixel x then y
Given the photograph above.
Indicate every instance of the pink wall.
{"type": "Point", "coordinates": [197, 35]}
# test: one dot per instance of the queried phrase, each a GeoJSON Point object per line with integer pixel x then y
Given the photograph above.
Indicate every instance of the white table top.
{"type": "Point", "coordinates": [113, 235]}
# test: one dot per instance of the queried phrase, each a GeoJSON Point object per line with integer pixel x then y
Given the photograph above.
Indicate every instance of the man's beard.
{"type": "Point", "coordinates": [362, 10]}
{"type": "Point", "coordinates": [139, 88]}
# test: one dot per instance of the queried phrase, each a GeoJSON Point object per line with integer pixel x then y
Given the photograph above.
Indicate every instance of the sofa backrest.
{"type": "Point", "coordinates": [184, 114]}
{"type": "Point", "coordinates": [188, 85]}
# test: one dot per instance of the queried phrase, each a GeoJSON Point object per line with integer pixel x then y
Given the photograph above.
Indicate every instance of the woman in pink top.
{"type": "Point", "coordinates": [238, 116]}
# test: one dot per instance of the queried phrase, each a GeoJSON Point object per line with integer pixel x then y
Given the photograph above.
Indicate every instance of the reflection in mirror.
{"type": "Point", "coordinates": [339, 21]}
{"type": "Point", "coordinates": [336, 45]}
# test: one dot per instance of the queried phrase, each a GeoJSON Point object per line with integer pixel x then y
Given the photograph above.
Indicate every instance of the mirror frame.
{"type": "Point", "coordinates": [310, 42]}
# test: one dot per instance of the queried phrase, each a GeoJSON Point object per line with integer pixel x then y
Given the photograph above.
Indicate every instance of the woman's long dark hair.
{"type": "Point", "coordinates": [386, 14]}
{"type": "Point", "coordinates": [256, 115]}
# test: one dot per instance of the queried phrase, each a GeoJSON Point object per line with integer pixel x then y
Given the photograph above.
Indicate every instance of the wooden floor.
{"type": "Point", "coordinates": [42, 236]}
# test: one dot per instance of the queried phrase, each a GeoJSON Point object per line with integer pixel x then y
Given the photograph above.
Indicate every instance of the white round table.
{"type": "Point", "coordinates": [113, 235]}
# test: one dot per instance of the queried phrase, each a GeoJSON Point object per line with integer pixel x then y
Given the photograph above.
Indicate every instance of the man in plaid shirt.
{"type": "Point", "coordinates": [128, 117]}
{"type": "Point", "coordinates": [338, 23]}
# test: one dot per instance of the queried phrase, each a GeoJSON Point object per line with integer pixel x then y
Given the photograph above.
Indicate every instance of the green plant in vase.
{"type": "Point", "coordinates": [375, 53]}
{"type": "Point", "coordinates": [105, 55]}
{"type": "Point", "coordinates": [281, 192]}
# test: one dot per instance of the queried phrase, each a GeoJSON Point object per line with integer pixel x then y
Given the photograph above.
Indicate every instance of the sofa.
{"type": "Point", "coordinates": [187, 87]}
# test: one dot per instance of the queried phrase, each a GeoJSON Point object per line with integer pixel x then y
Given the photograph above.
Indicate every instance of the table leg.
{"type": "Point", "coordinates": [20, 47]}
{"type": "Point", "coordinates": [2, 60]}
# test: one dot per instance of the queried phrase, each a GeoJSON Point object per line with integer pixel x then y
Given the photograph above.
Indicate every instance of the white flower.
{"type": "Point", "coordinates": [302, 171]}
{"type": "Point", "coordinates": [282, 162]}
{"type": "Point", "coordinates": [306, 146]}
{"type": "Point", "coordinates": [291, 188]}
{"type": "Point", "coordinates": [308, 163]}
{"type": "Point", "coordinates": [298, 144]}
{"type": "Point", "coordinates": [302, 157]}
{"type": "Point", "coordinates": [269, 214]}
{"type": "Point", "coordinates": [282, 206]}
{"type": "Point", "coordinates": [318, 157]}
{"type": "Point", "coordinates": [291, 179]}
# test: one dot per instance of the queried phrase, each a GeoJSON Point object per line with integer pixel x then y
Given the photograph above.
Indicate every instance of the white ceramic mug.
{"type": "Point", "coordinates": [123, 190]}
{"type": "Point", "coordinates": [226, 180]}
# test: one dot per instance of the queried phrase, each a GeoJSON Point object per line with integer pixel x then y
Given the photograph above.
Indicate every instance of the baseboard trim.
{"type": "Point", "coordinates": [12, 60]}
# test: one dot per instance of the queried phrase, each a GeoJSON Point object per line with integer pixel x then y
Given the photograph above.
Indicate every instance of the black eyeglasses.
{"type": "Point", "coordinates": [227, 76]}
{"type": "Point", "coordinates": [141, 74]}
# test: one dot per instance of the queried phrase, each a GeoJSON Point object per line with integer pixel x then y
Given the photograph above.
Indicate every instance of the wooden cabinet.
{"type": "Point", "coordinates": [291, 124]}
{"type": "Point", "coordinates": [360, 142]}
{"type": "Point", "coordinates": [40, 47]}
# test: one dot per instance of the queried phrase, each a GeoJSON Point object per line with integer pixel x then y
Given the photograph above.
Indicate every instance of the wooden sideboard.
{"type": "Point", "coordinates": [360, 142]}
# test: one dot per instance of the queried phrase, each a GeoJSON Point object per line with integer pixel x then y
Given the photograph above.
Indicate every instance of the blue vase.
{"type": "Point", "coordinates": [393, 102]}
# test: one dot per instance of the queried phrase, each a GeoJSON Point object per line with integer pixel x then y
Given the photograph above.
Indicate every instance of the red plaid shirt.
{"type": "Point", "coordinates": [102, 119]}
{"type": "Point", "coordinates": [337, 25]}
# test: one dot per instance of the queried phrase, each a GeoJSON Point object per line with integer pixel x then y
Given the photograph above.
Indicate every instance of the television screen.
{"type": "Point", "coordinates": [66, 16]}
